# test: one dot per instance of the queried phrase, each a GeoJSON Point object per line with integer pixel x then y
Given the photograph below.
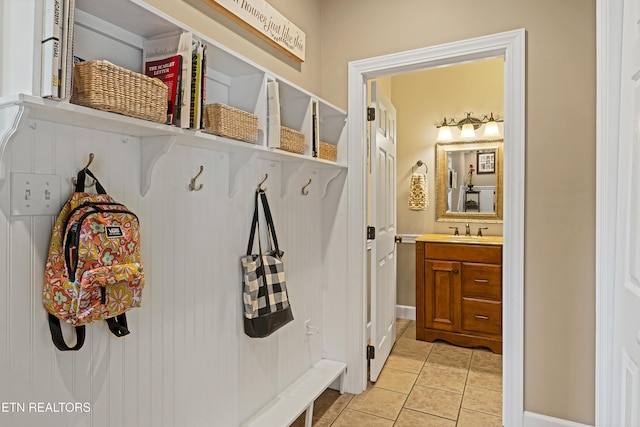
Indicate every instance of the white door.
{"type": "Point", "coordinates": [626, 371]}
{"type": "Point", "coordinates": [383, 218]}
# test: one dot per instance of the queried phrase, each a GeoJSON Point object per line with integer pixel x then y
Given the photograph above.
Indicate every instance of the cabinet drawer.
{"type": "Point", "coordinates": [460, 252]}
{"type": "Point", "coordinates": [482, 316]}
{"type": "Point", "coordinates": [482, 281]}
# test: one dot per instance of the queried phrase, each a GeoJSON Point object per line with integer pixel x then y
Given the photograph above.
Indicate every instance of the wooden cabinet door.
{"type": "Point", "coordinates": [442, 295]}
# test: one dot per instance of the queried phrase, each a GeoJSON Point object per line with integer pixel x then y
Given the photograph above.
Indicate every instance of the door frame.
{"type": "Point", "coordinates": [608, 62]}
{"type": "Point", "coordinates": [511, 46]}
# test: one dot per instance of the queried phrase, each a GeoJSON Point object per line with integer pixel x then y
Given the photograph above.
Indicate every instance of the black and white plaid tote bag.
{"type": "Point", "coordinates": [264, 290]}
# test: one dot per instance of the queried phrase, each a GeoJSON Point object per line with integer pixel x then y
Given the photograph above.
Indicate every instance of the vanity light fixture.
{"type": "Point", "coordinates": [444, 131]}
{"type": "Point", "coordinates": [468, 130]}
{"type": "Point", "coordinates": [468, 127]}
{"type": "Point", "coordinates": [491, 128]}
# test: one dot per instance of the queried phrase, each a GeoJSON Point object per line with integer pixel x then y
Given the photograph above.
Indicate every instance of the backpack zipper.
{"type": "Point", "coordinates": [73, 239]}
{"type": "Point", "coordinates": [71, 251]}
{"type": "Point", "coordinates": [87, 204]}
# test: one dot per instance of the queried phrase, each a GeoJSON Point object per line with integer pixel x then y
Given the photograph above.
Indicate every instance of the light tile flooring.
{"type": "Point", "coordinates": [422, 385]}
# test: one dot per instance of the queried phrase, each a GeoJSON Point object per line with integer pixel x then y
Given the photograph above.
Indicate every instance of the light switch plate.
{"type": "Point", "coordinates": [35, 194]}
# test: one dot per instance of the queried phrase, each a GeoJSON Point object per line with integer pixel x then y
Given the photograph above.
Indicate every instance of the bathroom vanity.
{"type": "Point", "coordinates": [459, 290]}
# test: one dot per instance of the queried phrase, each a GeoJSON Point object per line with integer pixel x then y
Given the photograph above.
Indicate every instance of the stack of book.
{"type": "Point", "coordinates": [180, 62]}
{"type": "Point", "coordinates": [58, 19]}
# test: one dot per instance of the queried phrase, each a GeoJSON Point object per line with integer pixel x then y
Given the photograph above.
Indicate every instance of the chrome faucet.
{"type": "Point", "coordinates": [455, 231]}
{"type": "Point", "coordinates": [480, 230]}
{"type": "Point", "coordinates": [467, 230]}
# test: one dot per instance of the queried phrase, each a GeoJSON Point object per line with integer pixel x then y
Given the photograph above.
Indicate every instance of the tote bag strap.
{"type": "Point", "coordinates": [270, 224]}
{"type": "Point", "coordinates": [254, 224]}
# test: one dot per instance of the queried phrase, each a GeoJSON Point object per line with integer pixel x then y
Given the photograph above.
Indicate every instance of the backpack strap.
{"type": "Point", "coordinates": [58, 339]}
{"type": "Point", "coordinates": [80, 181]}
{"type": "Point", "coordinates": [118, 325]}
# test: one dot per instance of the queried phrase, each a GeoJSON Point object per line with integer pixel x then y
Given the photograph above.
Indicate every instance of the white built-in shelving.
{"type": "Point", "coordinates": [231, 80]}
{"type": "Point", "coordinates": [156, 138]}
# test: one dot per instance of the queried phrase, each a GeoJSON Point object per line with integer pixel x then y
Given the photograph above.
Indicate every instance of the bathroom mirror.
{"type": "Point", "coordinates": [457, 199]}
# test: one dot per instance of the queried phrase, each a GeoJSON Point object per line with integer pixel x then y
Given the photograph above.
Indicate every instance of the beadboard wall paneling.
{"type": "Point", "coordinates": [187, 360]}
{"type": "Point", "coordinates": [335, 254]}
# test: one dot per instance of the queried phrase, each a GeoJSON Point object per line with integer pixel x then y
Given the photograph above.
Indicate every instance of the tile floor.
{"type": "Point", "coordinates": [423, 385]}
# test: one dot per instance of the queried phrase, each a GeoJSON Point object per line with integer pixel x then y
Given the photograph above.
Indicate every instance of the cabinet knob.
{"type": "Point", "coordinates": [455, 271]}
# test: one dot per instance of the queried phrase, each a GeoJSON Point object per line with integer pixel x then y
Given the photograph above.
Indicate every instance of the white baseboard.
{"type": "Point", "coordinates": [405, 312]}
{"type": "Point", "coordinates": [536, 420]}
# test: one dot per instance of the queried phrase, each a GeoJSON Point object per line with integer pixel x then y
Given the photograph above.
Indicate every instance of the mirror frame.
{"type": "Point", "coordinates": [441, 181]}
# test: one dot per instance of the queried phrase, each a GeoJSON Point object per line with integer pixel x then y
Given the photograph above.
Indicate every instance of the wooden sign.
{"type": "Point", "coordinates": [263, 20]}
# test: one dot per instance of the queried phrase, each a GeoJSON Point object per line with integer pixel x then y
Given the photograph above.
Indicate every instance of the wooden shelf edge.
{"type": "Point", "coordinates": [157, 138]}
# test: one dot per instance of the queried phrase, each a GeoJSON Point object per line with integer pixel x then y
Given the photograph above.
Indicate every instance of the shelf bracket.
{"type": "Point", "coordinates": [237, 162]}
{"type": "Point", "coordinates": [289, 169]}
{"type": "Point", "coordinates": [12, 119]}
{"type": "Point", "coordinates": [326, 176]}
{"type": "Point", "coordinates": [151, 149]}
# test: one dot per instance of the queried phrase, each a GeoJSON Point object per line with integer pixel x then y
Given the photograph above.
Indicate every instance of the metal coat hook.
{"type": "Point", "coordinates": [304, 188]}
{"type": "Point", "coordinates": [312, 330]}
{"type": "Point", "coordinates": [266, 175]}
{"type": "Point", "coordinates": [75, 181]}
{"type": "Point", "coordinates": [91, 157]}
{"type": "Point", "coordinates": [418, 164]}
{"type": "Point", "coordinates": [192, 184]}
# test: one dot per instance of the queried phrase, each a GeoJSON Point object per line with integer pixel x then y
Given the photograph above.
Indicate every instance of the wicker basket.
{"type": "Point", "coordinates": [104, 86]}
{"type": "Point", "coordinates": [230, 122]}
{"type": "Point", "coordinates": [291, 140]}
{"type": "Point", "coordinates": [328, 151]}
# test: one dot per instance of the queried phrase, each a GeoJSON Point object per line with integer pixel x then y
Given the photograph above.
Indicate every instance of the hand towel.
{"type": "Point", "coordinates": [418, 192]}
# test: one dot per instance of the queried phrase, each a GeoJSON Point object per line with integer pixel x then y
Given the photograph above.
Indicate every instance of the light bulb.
{"type": "Point", "coordinates": [468, 131]}
{"type": "Point", "coordinates": [444, 133]}
{"type": "Point", "coordinates": [491, 129]}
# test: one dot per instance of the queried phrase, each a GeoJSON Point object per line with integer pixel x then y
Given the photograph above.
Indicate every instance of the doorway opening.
{"type": "Point", "coordinates": [509, 46]}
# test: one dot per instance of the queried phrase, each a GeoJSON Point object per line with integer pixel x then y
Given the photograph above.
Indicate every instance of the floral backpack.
{"type": "Point", "coordinates": [93, 271]}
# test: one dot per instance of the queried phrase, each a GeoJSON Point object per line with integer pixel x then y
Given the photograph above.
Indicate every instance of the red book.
{"type": "Point", "coordinates": [168, 70]}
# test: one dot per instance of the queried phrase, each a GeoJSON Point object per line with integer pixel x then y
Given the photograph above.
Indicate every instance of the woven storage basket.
{"type": "Point", "coordinates": [291, 140]}
{"type": "Point", "coordinates": [328, 151]}
{"type": "Point", "coordinates": [230, 122]}
{"type": "Point", "coordinates": [104, 86]}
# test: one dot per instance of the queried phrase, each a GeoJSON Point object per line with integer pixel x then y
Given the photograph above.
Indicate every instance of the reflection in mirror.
{"type": "Point", "coordinates": [469, 181]}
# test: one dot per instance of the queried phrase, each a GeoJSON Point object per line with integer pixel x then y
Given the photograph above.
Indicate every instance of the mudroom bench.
{"type": "Point", "coordinates": [287, 406]}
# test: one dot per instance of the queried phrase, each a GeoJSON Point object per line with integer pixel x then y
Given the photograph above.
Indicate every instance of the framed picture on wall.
{"type": "Point", "coordinates": [486, 162]}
